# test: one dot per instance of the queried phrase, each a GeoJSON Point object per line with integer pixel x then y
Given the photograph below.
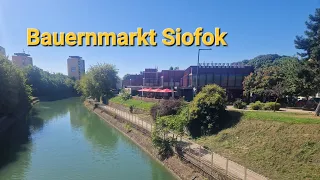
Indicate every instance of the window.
{"type": "Point", "coordinates": [239, 79]}
{"type": "Point", "coordinates": [231, 80]}
{"type": "Point", "coordinates": [224, 80]}
{"type": "Point", "coordinates": [210, 79]}
{"type": "Point", "coordinates": [202, 80]}
{"type": "Point", "coordinates": [73, 69]}
{"type": "Point", "coordinates": [217, 79]}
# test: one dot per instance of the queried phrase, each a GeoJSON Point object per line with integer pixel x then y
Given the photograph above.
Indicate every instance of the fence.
{"type": "Point", "coordinates": [207, 161]}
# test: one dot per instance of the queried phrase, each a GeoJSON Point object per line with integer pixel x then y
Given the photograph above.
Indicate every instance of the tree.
{"type": "Point", "coordinates": [14, 92]}
{"type": "Point", "coordinates": [310, 44]}
{"type": "Point", "coordinates": [99, 81]}
{"type": "Point", "coordinates": [207, 110]}
{"type": "Point", "coordinates": [171, 68]}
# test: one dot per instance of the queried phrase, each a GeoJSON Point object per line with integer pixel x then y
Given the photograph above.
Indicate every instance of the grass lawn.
{"type": "Point", "coordinates": [287, 117]}
{"type": "Point", "coordinates": [133, 102]}
{"type": "Point", "coordinates": [279, 145]}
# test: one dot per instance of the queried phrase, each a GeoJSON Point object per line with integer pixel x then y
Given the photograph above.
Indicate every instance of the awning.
{"type": "Point", "coordinates": [166, 91]}
{"type": "Point", "coordinates": [146, 90]}
{"type": "Point", "coordinates": [156, 90]}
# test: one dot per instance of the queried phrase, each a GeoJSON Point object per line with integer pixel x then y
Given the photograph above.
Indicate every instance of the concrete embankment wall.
{"type": "Point", "coordinates": [180, 165]}
{"type": "Point", "coordinates": [143, 139]}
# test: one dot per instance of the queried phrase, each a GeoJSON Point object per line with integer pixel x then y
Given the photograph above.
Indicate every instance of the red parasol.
{"type": "Point", "coordinates": [166, 91]}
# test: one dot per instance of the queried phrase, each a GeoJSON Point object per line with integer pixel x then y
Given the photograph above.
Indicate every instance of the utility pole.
{"type": "Point", "coordinates": [198, 65]}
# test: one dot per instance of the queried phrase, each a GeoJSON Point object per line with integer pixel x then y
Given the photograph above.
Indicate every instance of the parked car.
{"type": "Point", "coordinates": [311, 104]}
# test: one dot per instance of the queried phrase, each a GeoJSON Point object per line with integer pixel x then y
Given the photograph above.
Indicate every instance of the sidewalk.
{"type": "Point", "coordinates": [281, 110]}
{"type": "Point", "coordinates": [206, 158]}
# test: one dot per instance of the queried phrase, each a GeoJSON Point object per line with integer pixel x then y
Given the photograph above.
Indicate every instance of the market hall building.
{"type": "Point", "coordinates": [228, 76]}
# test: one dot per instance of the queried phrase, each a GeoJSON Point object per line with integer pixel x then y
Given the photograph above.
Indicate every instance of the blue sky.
{"type": "Point", "coordinates": [254, 27]}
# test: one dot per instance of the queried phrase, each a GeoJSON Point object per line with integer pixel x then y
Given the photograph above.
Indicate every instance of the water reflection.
{"type": "Point", "coordinates": [63, 140]}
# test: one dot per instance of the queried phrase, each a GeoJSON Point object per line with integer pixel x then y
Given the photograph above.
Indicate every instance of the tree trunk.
{"type": "Point", "coordinates": [275, 103]}
{"type": "Point", "coordinates": [317, 112]}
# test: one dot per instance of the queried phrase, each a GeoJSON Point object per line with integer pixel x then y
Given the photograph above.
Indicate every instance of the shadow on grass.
{"type": "Point", "coordinates": [16, 139]}
{"type": "Point", "coordinates": [230, 119]}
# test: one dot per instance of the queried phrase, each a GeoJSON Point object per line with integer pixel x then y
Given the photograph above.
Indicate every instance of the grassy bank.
{"type": "Point", "coordinates": [276, 144]}
{"type": "Point", "coordinates": [133, 102]}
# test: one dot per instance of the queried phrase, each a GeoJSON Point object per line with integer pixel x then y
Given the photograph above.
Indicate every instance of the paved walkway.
{"type": "Point", "coordinates": [281, 110]}
{"type": "Point", "coordinates": [210, 159]}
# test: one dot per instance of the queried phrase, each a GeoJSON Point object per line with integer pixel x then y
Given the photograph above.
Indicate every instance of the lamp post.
{"type": "Point", "coordinates": [142, 85]}
{"type": "Point", "coordinates": [198, 65]}
{"type": "Point", "coordinates": [130, 82]}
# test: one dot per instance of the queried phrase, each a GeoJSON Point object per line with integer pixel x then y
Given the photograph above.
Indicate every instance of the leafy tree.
{"type": "Point", "coordinates": [99, 81]}
{"type": "Point", "coordinates": [206, 110]}
{"type": "Point", "coordinates": [310, 44]}
{"type": "Point", "coordinates": [262, 80]}
{"type": "Point", "coordinates": [176, 68]}
{"type": "Point", "coordinates": [171, 68]}
{"type": "Point", "coordinates": [14, 92]}
{"type": "Point", "coordinates": [45, 84]}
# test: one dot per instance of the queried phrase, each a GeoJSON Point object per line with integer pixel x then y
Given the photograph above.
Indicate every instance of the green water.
{"type": "Point", "coordinates": [65, 141]}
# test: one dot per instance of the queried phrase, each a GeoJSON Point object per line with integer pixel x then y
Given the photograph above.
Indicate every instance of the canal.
{"type": "Point", "coordinates": [63, 140]}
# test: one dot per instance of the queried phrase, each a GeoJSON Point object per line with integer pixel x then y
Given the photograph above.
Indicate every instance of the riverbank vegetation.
{"type": "Point", "coordinates": [99, 82]}
{"type": "Point", "coordinates": [49, 85]}
{"type": "Point", "coordinates": [15, 93]}
{"type": "Point", "coordinates": [278, 145]}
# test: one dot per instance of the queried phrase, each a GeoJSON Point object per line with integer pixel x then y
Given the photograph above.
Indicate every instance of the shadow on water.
{"type": "Point", "coordinates": [15, 139]}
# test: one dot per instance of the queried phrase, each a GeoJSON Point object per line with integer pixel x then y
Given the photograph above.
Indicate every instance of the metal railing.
{"type": "Point", "coordinates": [204, 159]}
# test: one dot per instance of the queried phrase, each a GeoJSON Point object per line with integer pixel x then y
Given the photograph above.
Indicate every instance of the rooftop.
{"type": "Point", "coordinates": [21, 54]}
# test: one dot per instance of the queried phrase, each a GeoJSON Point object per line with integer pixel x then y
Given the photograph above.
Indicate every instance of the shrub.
{"type": "Point", "coordinates": [166, 107]}
{"type": "Point", "coordinates": [125, 95]}
{"type": "Point", "coordinates": [256, 105]}
{"type": "Point", "coordinates": [207, 110]}
{"type": "Point", "coordinates": [271, 106]}
{"type": "Point", "coordinates": [239, 104]}
{"type": "Point", "coordinates": [131, 108]}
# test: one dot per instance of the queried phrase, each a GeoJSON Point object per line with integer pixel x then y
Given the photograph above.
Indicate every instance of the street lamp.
{"type": "Point", "coordinates": [198, 65]}
{"type": "Point", "coordinates": [130, 82]}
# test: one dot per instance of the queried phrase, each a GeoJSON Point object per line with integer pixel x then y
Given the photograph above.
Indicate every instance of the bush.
{"type": "Point", "coordinates": [125, 95]}
{"type": "Point", "coordinates": [131, 108]}
{"type": "Point", "coordinates": [256, 105]}
{"type": "Point", "coordinates": [239, 104]}
{"type": "Point", "coordinates": [165, 108]}
{"type": "Point", "coordinates": [207, 110]}
{"type": "Point", "coordinates": [270, 106]}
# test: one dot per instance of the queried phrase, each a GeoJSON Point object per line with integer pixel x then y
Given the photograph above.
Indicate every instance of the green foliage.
{"type": "Point", "coordinates": [256, 105]}
{"type": "Point", "coordinates": [167, 107]}
{"type": "Point", "coordinates": [271, 106]}
{"type": "Point", "coordinates": [99, 81]}
{"type": "Point", "coordinates": [125, 95]}
{"type": "Point", "coordinates": [262, 60]}
{"type": "Point", "coordinates": [14, 92]}
{"type": "Point", "coordinates": [265, 106]}
{"type": "Point", "coordinates": [239, 104]}
{"type": "Point", "coordinates": [50, 85]}
{"type": "Point", "coordinates": [133, 102]}
{"type": "Point", "coordinates": [131, 108]}
{"type": "Point", "coordinates": [164, 146]}
{"type": "Point", "coordinates": [207, 110]}
{"type": "Point", "coordinates": [128, 127]}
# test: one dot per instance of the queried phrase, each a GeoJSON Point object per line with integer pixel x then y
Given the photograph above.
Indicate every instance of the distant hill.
{"type": "Point", "coordinates": [262, 60]}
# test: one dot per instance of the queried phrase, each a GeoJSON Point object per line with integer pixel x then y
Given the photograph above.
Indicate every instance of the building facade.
{"type": "Point", "coordinates": [76, 67]}
{"type": "Point", "coordinates": [228, 76]}
{"type": "Point", "coordinates": [22, 60]}
{"type": "Point", "coordinates": [2, 51]}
